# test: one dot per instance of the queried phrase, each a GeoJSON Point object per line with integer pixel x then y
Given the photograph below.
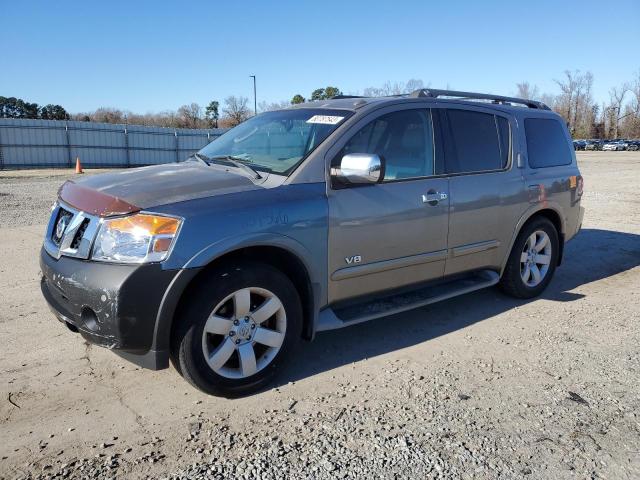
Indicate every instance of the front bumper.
{"type": "Point", "coordinates": [113, 306]}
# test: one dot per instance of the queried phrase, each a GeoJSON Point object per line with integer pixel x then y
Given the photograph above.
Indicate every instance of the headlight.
{"type": "Point", "coordinates": [140, 238]}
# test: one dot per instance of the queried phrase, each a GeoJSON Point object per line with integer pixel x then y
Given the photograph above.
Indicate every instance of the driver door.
{"type": "Point", "coordinates": [394, 233]}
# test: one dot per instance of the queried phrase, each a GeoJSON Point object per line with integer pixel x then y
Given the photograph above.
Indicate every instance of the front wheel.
{"type": "Point", "coordinates": [236, 329]}
{"type": "Point", "coordinates": [532, 261]}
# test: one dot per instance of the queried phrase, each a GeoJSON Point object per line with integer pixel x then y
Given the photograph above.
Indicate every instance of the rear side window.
{"type": "Point", "coordinates": [479, 141]}
{"type": "Point", "coordinates": [547, 144]}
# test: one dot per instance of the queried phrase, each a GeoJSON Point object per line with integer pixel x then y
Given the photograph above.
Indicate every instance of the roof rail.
{"type": "Point", "coordinates": [429, 92]}
{"type": "Point", "coordinates": [338, 97]}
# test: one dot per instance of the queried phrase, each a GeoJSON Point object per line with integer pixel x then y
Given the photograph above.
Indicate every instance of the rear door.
{"type": "Point", "coordinates": [394, 233]}
{"type": "Point", "coordinates": [486, 190]}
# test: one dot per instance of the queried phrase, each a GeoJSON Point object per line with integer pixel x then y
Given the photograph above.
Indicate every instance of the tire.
{"type": "Point", "coordinates": [234, 331]}
{"type": "Point", "coordinates": [524, 261]}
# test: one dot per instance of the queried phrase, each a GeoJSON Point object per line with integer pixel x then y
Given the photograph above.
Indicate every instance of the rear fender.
{"type": "Point", "coordinates": [526, 216]}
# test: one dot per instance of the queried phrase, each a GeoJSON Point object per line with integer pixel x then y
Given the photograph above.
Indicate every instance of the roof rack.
{"type": "Point", "coordinates": [428, 92]}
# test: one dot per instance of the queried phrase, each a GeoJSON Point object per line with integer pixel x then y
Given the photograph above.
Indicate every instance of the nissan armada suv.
{"type": "Point", "coordinates": [312, 218]}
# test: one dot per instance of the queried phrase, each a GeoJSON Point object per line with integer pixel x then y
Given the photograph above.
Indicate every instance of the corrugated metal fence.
{"type": "Point", "coordinates": [56, 143]}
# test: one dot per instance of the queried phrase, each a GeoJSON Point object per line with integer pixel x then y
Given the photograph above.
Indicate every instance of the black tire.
{"type": "Point", "coordinates": [187, 353]}
{"type": "Point", "coordinates": [511, 282]}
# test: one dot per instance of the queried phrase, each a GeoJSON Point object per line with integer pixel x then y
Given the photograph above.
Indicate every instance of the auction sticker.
{"type": "Point", "coordinates": [325, 119]}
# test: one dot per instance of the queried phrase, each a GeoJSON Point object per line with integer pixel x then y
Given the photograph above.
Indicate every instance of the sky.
{"type": "Point", "coordinates": [150, 56]}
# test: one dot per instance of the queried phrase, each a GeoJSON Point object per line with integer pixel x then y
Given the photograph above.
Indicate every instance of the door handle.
{"type": "Point", "coordinates": [433, 198]}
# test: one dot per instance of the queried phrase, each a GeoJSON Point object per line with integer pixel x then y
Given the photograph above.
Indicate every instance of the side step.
{"type": "Point", "coordinates": [330, 319]}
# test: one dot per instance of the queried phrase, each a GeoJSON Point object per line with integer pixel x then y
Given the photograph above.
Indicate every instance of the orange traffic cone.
{"type": "Point", "coordinates": [78, 166]}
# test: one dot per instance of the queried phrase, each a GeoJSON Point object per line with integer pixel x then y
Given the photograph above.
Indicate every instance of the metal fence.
{"type": "Point", "coordinates": [57, 143]}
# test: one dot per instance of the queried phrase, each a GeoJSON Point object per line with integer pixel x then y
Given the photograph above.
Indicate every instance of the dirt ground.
{"type": "Point", "coordinates": [482, 386]}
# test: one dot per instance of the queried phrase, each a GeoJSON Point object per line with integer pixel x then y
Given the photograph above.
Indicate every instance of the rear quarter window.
{"type": "Point", "coordinates": [547, 144]}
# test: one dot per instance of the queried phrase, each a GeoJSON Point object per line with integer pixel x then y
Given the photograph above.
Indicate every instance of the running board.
{"type": "Point", "coordinates": [330, 319]}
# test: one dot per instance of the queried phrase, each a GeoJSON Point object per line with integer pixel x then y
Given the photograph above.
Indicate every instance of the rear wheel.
{"type": "Point", "coordinates": [532, 261]}
{"type": "Point", "coordinates": [236, 329]}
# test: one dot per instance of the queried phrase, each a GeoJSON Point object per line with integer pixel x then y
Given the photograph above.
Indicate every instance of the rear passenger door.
{"type": "Point", "coordinates": [487, 192]}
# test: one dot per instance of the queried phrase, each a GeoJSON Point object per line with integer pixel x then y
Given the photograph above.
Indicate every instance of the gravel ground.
{"type": "Point", "coordinates": [482, 386]}
{"type": "Point", "coordinates": [27, 195]}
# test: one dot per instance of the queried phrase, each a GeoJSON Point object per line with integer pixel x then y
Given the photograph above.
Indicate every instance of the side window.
{"type": "Point", "coordinates": [505, 140]}
{"type": "Point", "coordinates": [547, 144]}
{"type": "Point", "coordinates": [479, 141]}
{"type": "Point", "coordinates": [403, 139]}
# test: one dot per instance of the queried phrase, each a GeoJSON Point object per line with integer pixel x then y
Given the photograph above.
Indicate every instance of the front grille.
{"type": "Point", "coordinates": [78, 236]}
{"type": "Point", "coordinates": [70, 232]}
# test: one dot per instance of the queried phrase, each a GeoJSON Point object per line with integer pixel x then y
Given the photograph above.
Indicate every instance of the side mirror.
{"type": "Point", "coordinates": [359, 168]}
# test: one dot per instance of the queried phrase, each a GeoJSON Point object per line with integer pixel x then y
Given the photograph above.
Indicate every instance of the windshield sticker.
{"type": "Point", "coordinates": [325, 119]}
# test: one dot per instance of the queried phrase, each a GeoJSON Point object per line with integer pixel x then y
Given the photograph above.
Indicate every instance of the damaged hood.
{"type": "Point", "coordinates": [137, 189]}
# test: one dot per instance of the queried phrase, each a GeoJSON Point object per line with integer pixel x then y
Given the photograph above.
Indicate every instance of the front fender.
{"type": "Point", "coordinates": [215, 251]}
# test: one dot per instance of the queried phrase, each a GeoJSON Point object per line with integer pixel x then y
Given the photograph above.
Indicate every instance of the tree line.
{"type": "Point", "coordinates": [12, 107]}
{"type": "Point", "coordinates": [573, 100]}
{"type": "Point", "coordinates": [234, 111]}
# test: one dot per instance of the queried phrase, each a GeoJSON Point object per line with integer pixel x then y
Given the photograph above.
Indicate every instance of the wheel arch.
{"type": "Point", "coordinates": [280, 258]}
{"type": "Point", "coordinates": [277, 256]}
{"type": "Point", "coordinates": [552, 214]}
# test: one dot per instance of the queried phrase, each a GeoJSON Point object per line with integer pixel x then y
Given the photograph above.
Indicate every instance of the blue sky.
{"type": "Point", "coordinates": [153, 55]}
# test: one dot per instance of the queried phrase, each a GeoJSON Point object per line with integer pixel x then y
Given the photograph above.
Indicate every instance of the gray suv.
{"type": "Point", "coordinates": [311, 218]}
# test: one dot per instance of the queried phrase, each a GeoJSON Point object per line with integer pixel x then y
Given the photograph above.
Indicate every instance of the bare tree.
{"type": "Point", "coordinates": [583, 106]}
{"type": "Point", "coordinates": [413, 84]}
{"type": "Point", "coordinates": [107, 115]}
{"type": "Point", "coordinates": [395, 88]}
{"type": "Point", "coordinates": [617, 95]}
{"type": "Point", "coordinates": [564, 101]}
{"type": "Point", "coordinates": [236, 110]}
{"type": "Point", "coordinates": [168, 118]}
{"type": "Point", "coordinates": [527, 91]}
{"type": "Point", "coordinates": [631, 125]}
{"type": "Point", "coordinates": [635, 90]}
{"type": "Point", "coordinates": [268, 107]}
{"type": "Point", "coordinates": [575, 100]}
{"type": "Point", "coordinates": [373, 92]}
{"type": "Point", "coordinates": [190, 116]}
{"type": "Point", "coordinates": [549, 99]}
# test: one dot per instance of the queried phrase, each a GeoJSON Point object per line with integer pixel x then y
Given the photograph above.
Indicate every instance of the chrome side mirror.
{"type": "Point", "coordinates": [360, 168]}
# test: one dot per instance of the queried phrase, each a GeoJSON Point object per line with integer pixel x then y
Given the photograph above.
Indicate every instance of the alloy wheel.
{"type": "Point", "coordinates": [535, 258]}
{"type": "Point", "coordinates": [244, 332]}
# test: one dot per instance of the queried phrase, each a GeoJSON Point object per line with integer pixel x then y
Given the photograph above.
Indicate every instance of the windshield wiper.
{"type": "Point", "coordinates": [237, 162]}
{"type": "Point", "coordinates": [200, 156]}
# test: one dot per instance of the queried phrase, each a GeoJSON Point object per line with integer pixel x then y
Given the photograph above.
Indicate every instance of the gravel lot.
{"type": "Point", "coordinates": [27, 195]}
{"type": "Point", "coordinates": [482, 386]}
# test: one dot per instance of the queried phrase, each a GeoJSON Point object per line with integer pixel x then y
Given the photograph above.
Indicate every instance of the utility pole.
{"type": "Point", "coordinates": [255, 101]}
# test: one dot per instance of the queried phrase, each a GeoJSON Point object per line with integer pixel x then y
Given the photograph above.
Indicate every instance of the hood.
{"type": "Point", "coordinates": [136, 189]}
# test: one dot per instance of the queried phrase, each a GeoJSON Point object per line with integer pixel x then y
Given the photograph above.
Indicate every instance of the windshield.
{"type": "Point", "coordinates": [276, 141]}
